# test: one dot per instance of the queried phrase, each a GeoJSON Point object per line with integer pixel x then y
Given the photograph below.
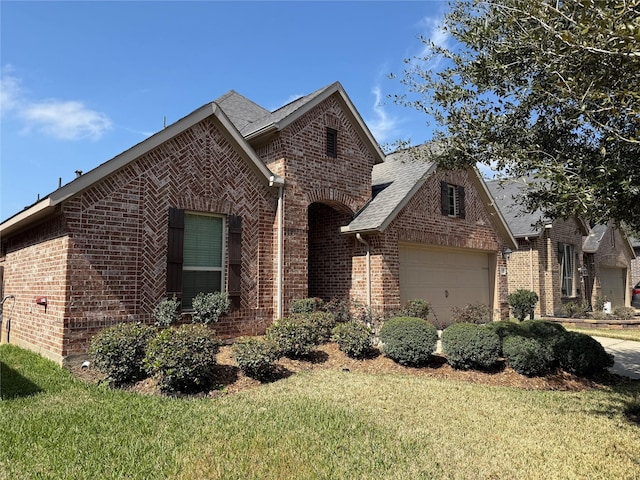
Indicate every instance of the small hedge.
{"type": "Point", "coordinates": [416, 308]}
{"type": "Point", "coordinates": [477, 313]}
{"type": "Point", "coordinates": [522, 303]}
{"type": "Point", "coordinates": [408, 340]}
{"type": "Point", "coordinates": [182, 359]}
{"type": "Point", "coordinates": [323, 322]}
{"type": "Point", "coordinates": [471, 346]}
{"type": "Point", "coordinates": [294, 336]}
{"type": "Point", "coordinates": [118, 351]}
{"type": "Point", "coordinates": [527, 356]}
{"type": "Point", "coordinates": [583, 355]}
{"type": "Point", "coordinates": [209, 307]}
{"type": "Point", "coordinates": [255, 357]}
{"type": "Point", "coordinates": [353, 338]}
{"type": "Point", "coordinates": [305, 305]}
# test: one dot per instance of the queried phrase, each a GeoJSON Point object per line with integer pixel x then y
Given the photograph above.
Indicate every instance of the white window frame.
{"type": "Point", "coordinates": [567, 270]}
{"type": "Point", "coordinates": [454, 207]}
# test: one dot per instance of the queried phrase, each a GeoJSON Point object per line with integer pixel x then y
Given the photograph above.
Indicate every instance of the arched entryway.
{"type": "Point", "coordinates": [329, 251]}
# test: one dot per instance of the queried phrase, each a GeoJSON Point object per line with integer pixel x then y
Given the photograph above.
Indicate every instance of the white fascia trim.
{"type": "Point", "coordinates": [36, 211]}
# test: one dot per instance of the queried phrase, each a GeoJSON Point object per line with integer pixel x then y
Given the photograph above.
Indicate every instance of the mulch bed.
{"type": "Point", "coordinates": [230, 379]}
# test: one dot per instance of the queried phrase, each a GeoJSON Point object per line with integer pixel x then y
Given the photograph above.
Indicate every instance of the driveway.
{"type": "Point", "coordinates": [627, 356]}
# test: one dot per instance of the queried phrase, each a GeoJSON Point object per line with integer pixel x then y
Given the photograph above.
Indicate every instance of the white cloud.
{"type": "Point", "coordinates": [437, 36]}
{"type": "Point", "coordinates": [65, 120]}
{"type": "Point", "coordinates": [383, 126]}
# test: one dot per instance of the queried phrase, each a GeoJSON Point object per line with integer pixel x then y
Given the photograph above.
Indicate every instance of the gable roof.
{"type": "Point", "coordinates": [522, 223]}
{"type": "Point", "coordinates": [397, 179]}
{"type": "Point", "coordinates": [394, 181]}
{"type": "Point", "coordinates": [47, 205]}
{"type": "Point", "coordinates": [257, 123]}
{"type": "Point", "coordinates": [594, 239]}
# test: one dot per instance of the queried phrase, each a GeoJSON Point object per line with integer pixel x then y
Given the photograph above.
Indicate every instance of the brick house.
{"type": "Point", "coordinates": [608, 256]}
{"type": "Point", "coordinates": [563, 260]}
{"type": "Point", "coordinates": [268, 206]}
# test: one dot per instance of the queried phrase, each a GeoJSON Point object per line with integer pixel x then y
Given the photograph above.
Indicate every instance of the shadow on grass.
{"type": "Point", "coordinates": [14, 385]}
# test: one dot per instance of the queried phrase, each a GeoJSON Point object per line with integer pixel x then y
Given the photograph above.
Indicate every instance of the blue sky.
{"type": "Point", "coordinates": [84, 81]}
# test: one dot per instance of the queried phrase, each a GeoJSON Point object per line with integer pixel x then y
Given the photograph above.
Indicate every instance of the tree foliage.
{"type": "Point", "coordinates": [543, 89]}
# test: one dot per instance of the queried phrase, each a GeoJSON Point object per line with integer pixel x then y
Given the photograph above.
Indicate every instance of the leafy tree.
{"type": "Point", "coordinates": [543, 89]}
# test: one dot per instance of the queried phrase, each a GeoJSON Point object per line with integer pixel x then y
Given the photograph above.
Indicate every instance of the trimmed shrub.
{"type": "Point", "coordinates": [575, 309]}
{"type": "Point", "coordinates": [323, 322]}
{"type": "Point", "coordinates": [293, 336]}
{"type": "Point", "coordinates": [624, 313]}
{"type": "Point", "coordinates": [118, 351]}
{"type": "Point", "coordinates": [477, 313]}
{"type": "Point", "coordinates": [167, 312]}
{"type": "Point", "coordinates": [599, 301]}
{"type": "Point", "coordinates": [340, 308]}
{"type": "Point", "coordinates": [182, 359]}
{"type": "Point", "coordinates": [353, 338]}
{"type": "Point", "coordinates": [408, 340]}
{"type": "Point", "coordinates": [548, 334]}
{"type": "Point", "coordinates": [583, 355]}
{"type": "Point", "coordinates": [522, 303]}
{"type": "Point", "coordinates": [255, 357]}
{"type": "Point", "coordinates": [471, 346]}
{"type": "Point", "coordinates": [417, 308]}
{"type": "Point", "coordinates": [527, 356]}
{"type": "Point", "coordinates": [209, 307]}
{"type": "Point", "coordinates": [505, 328]}
{"type": "Point", "coordinates": [305, 305]}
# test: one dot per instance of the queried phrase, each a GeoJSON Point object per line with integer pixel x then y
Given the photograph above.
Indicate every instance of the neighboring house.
{"type": "Point", "coordinates": [635, 263]}
{"type": "Point", "coordinates": [549, 258]}
{"type": "Point", "coordinates": [563, 260]}
{"type": "Point", "coordinates": [267, 206]}
{"type": "Point", "coordinates": [608, 255]}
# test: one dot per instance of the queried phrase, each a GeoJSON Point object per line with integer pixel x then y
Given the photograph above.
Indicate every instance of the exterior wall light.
{"type": "Point", "coordinates": [506, 253]}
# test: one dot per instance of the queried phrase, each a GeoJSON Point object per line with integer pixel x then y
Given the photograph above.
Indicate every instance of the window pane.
{"type": "Point", "coordinates": [202, 241]}
{"type": "Point", "coordinates": [194, 282]}
{"type": "Point", "coordinates": [452, 201]}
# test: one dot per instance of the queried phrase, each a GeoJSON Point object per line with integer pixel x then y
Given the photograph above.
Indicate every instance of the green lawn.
{"type": "Point", "coordinates": [623, 334]}
{"type": "Point", "coordinates": [316, 425]}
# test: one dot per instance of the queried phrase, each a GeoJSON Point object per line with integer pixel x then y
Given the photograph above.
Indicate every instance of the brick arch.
{"type": "Point", "coordinates": [336, 199]}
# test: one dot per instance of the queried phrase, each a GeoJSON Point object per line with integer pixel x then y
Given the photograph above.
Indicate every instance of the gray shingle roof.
{"type": "Point", "coordinates": [521, 223]}
{"type": "Point", "coordinates": [395, 180]}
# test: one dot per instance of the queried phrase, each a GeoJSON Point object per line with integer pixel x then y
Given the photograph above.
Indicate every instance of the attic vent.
{"type": "Point", "coordinates": [332, 143]}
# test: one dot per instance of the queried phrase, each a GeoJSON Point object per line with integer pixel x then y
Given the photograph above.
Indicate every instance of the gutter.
{"type": "Point", "coordinates": [366, 244]}
{"type": "Point", "coordinates": [280, 254]}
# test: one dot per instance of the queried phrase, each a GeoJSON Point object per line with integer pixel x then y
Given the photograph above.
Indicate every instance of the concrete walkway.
{"type": "Point", "coordinates": [627, 356]}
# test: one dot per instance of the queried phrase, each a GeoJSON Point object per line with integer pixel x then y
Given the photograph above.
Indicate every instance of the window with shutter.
{"type": "Point", "coordinates": [452, 200]}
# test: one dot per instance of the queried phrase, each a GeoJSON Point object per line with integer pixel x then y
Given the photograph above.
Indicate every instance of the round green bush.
{"type": "Point", "coordinates": [118, 351]}
{"type": "Point", "coordinates": [305, 305]}
{"type": "Point", "coordinates": [182, 359]}
{"type": "Point", "coordinates": [582, 354]}
{"type": "Point", "coordinates": [323, 322]}
{"type": "Point", "coordinates": [467, 345]}
{"type": "Point", "coordinates": [255, 357]}
{"type": "Point", "coordinates": [522, 303]}
{"type": "Point", "coordinates": [408, 340]}
{"type": "Point", "coordinates": [293, 336]}
{"type": "Point", "coordinates": [527, 356]}
{"type": "Point", "coordinates": [353, 338]}
{"type": "Point", "coordinates": [417, 308]}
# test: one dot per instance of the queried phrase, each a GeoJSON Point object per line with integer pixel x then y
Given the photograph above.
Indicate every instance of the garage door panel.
{"type": "Point", "coordinates": [446, 278]}
{"type": "Point", "coordinates": [613, 284]}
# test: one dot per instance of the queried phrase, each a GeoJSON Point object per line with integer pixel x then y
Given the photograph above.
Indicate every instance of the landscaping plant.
{"type": "Point", "coordinates": [209, 307]}
{"type": "Point", "coordinates": [522, 303]}
{"type": "Point", "coordinates": [416, 308]}
{"type": "Point", "coordinates": [118, 351]}
{"type": "Point", "coordinates": [293, 336]}
{"type": "Point", "coordinates": [353, 338]}
{"type": "Point", "coordinates": [477, 313]}
{"type": "Point", "coordinates": [305, 305]}
{"type": "Point", "coordinates": [527, 356]}
{"type": "Point", "coordinates": [167, 312]}
{"type": "Point", "coordinates": [255, 357]}
{"type": "Point", "coordinates": [467, 345]}
{"type": "Point", "coordinates": [182, 359]}
{"type": "Point", "coordinates": [408, 340]}
{"type": "Point", "coordinates": [582, 354]}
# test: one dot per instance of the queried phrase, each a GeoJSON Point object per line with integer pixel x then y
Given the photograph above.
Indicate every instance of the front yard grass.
{"type": "Point", "coordinates": [321, 424]}
{"type": "Point", "coordinates": [623, 334]}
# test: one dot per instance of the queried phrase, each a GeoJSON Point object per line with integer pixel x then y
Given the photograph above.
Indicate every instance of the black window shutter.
{"type": "Point", "coordinates": [235, 259]}
{"type": "Point", "coordinates": [461, 209]}
{"type": "Point", "coordinates": [444, 198]}
{"type": "Point", "coordinates": [175, 247]}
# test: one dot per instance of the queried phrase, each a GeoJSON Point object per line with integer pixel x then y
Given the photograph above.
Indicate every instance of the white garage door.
{"type": "Point", "coordinates": [444, 277]}
{"type": "Point", "coordinates": [613, 282]}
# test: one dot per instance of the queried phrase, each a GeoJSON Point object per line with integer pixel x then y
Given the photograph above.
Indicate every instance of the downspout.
{"type": "Point", "coordinates": [279, 280]}
{"type": "Point", "coordinates": [530, 263]}
{"type": "Point", "coordinates": [366, 244]}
